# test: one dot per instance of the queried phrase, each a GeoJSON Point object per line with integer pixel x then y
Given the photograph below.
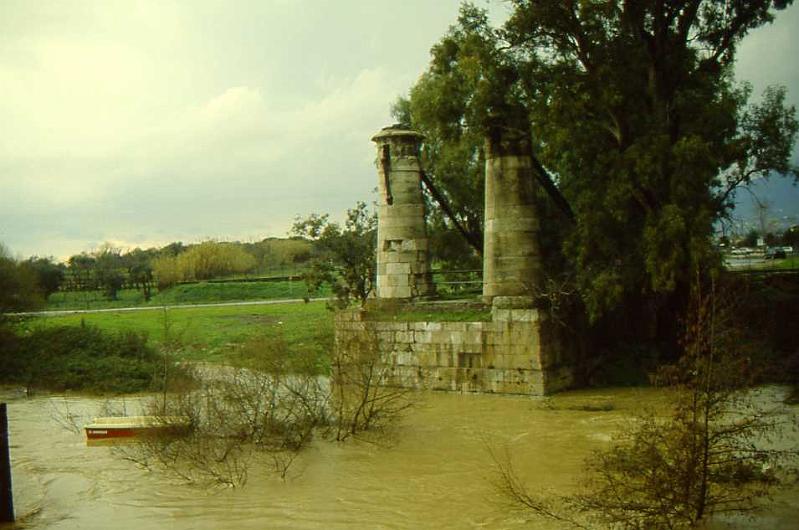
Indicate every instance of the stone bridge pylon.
{"type": "Point", "coordinates": [515, 348]}
{"type": "Point", "coordinates": [403, 248]}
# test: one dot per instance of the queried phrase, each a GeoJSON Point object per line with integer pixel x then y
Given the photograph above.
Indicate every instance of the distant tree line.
{"type": "Point", "coordinates": [28, 283]}
{"type": "Point", "coordinates": [786, 238]}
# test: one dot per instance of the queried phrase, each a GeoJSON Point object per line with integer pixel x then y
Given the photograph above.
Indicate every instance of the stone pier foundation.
{"type": "Point", "coordinates": [514, 350]}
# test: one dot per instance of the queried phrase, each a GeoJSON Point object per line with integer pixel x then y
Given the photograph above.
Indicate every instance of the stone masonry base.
{"type": "Point", "coordinates": [516, 352]}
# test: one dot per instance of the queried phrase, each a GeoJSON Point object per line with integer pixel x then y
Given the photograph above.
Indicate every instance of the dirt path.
{"type": "Point", "coordinates": [161, 307]}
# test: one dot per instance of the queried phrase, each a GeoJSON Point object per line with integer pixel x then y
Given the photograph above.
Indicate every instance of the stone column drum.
{"type": "Point", "coordinates": [511, 259]}
{"type": "Point", "coordinates": [403, 260]}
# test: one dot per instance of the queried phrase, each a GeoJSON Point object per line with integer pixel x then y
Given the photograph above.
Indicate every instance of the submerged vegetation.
{"type": "Point", "coordinates": [707, 455]}
{"type": "Point", "coordinates": [274, 405]}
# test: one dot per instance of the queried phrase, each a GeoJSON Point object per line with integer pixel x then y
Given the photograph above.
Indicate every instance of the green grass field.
{"type": "Point", "coordinates": [431, 315]}
{"type": "Point", "coordinates": [791, 262]}
{"type": "Point", "coordinates": [194, 293]}
{"type": "Point", "coordinates": [219, 334]}
{"type": "Point", "coordinates": [229, 334]}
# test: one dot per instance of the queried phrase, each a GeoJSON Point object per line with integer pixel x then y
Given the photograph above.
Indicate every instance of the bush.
{"type": "Point", "coordinates": [205, 261]}
{"type": "Point", "coordinates": [18, 288]}
{"type": "Point", "coordinates": [80, 358]}
{"type": "Point", "coordinates": [711, 454]}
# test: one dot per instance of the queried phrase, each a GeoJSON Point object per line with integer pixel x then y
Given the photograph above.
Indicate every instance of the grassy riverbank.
{"type": "Point", "coordinates": [124, 351]}
{"type": "Point", "coordinates": [215, 334]}
{"type": "Point", "coordinates": [79, 358]}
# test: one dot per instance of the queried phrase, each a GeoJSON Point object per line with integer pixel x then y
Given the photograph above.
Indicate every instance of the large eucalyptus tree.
{"type": "Point", "coordinates": [640, 131]}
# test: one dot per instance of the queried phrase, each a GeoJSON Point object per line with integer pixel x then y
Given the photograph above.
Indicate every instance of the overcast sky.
{"type": "Point", "coordinates": [142, 123]}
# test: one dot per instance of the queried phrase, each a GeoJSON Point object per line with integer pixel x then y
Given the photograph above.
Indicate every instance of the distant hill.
{"type": "Point", "coordinates": [781, 197]}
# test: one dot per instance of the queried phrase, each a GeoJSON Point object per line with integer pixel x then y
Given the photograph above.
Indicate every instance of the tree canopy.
{"type": "Point", "coordinates": [344, 256]}
{"type": "Point", "coordinates": [19, 290]}
{"type": "Point", "coordinates": [637, 123]}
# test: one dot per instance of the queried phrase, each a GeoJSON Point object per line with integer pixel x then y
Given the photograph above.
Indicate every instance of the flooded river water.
{"type": "Point", "coordinates": [436, 473]}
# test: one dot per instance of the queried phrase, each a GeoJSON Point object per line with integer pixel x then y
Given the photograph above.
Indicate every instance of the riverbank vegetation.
{"type": "Point", "coordinates": [214, 334]}
{"type": "Point", "coordinates": [710, 453]}
{"type": "Point", "coordinates": [80, 358]}
{"type": "Point", "coordinates": [108, 271]}
{"type": "Point", "coordinates": [116, 351]}
{"type": "Point", "coordinates": [272, 404]}
{"type": "Point", "coordinates": [19, 288]}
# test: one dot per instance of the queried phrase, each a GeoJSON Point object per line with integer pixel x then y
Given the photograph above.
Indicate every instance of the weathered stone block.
{"type": "Point", "coordinates": [423, 337]}
{"type": "Point", "coordinates": [419, 347]}
{"type": "Point", "coordinates": [523, 336]}
{"type": "Point", "coordinates": [524, 315]}
{"type": "Point", "coordinates": [472, 337]}
{"type": "Point", "coordinates": [424, 359]}
{"type": "Point", "coordinates": [396, 280]}
{"type": "Point", "coordinates": [397, 292]}
{"type": "Point", "coordinates": [449, 359]}
{"type": "Point", "coordinates": [388, 326]}
{"type": "Point", "coordinates": [417, 245]}
{"type": "Point", "coordinates": [403, 336]}
{"type": "Point", "coordinates": [353, 326]}
{"type": "Point", "coordinates": [439, 337]}
{"type": "Point", "coordinates": [385, 337]}
{"type": "Point", "coordinates": [496, 339]}
{"type": "Point", "coordinates": [454, 326]}
{"type": "Point", "coordinates": [405, 358]}
{"type": "Point", "coordinates": [398, 268]}
{"type": "Point", "coordinates": [474, 326]}
{"type": "Point", "coordinates": [432, 326]}
{"type": "Point", "coordinates": [512, 302]}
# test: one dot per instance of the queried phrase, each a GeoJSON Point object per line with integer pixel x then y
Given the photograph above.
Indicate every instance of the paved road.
{"type": "Point", "coordinates": [161, 307]}
{"type": "Point", "coordinates": [745, 262]}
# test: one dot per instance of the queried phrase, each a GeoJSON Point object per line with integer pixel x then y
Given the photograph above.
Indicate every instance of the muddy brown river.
{"type": "Point", "coordinates": [435, 473]}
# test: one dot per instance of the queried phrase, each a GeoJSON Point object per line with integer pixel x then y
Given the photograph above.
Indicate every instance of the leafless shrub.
{"type": "Point", "coordinates": [235, 414]}
{"type": "Point", "coordinates": [114, 408]}
{"type": "Point", "coordinates": [269, 409]}
{"type": "Point", "coordinates": [558, 295]}
{"type": "Point", "coordinates": [364, 397]}
{"type": "Point", "coordinates": [518, 497]}
{"type": "Point", "coordinates": [705, 457]}
{"type": "Point", "coordinates": [64, 416]}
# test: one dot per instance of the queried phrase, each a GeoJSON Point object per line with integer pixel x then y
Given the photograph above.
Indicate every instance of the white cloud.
{"type": "Point", "coordinates": [152, 122]}
{"type": "Point", "coordinates": [241, 128]}
{"type": "Point", "coordinates": [222, 168]}
{"type": "Point", "coordinates": [75, 99]}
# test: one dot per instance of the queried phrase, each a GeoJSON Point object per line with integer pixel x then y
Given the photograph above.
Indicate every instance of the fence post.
{"type": "Point", "coordinates": [6, 495]}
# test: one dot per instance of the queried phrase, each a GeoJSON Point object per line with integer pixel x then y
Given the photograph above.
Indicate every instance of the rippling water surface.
{"type": "Point", "coordinates": [435, 473]}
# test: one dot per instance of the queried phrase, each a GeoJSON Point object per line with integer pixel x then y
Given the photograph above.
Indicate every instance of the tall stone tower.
{"type": "Point", "coordinates": [511, 259]}
{"type": "Point", "coordinates": [403, 259]}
